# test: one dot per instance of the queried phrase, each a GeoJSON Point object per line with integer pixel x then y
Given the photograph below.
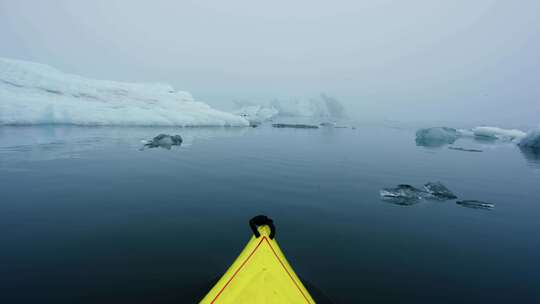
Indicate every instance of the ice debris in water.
{"type": "Point", "coordinates": [408, 195]}
{"type": "Point", "coordinates": [165, 141]}
{"type": "Point", "coordinates": [475, 204]}
{"type": "Point", "coordinates": [327, 124]}
{"type": "Point", "coordinates": [498, 133]}
{"type": "Point", "coordinates": [531, 140]}
{"type": "Point", "coordinates": [436, 136]}
{"type": "Point", "coordinates": [402, 194]}
{"type": "Point", "coordinates": [465, 149]}
{"type": "Point", "coordinates": [439, 191]}
{"type": "Point", "coordinates": [296, 126]}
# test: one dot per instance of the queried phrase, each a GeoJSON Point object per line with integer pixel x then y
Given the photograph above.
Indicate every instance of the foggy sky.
{"type": "Point", "coordinates": [468, 61]}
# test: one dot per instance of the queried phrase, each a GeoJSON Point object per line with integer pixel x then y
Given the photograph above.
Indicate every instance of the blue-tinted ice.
{"type": "Point", "coordinates": [437, 136]}
{"type": "Point", "coordinates": [438, 191]}
{"type": "Point", "coordinates": [408, 195]}
{"type": "Point", "coordinates": [164, 141]}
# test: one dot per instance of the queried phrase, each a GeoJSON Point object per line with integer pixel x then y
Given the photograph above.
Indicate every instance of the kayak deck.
{"type": "Point", "coordinates": [260, 274]}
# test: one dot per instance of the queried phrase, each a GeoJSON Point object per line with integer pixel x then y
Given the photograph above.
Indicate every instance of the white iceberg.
{"type": "Point", "coordinates": [439, 136]}
{"type": "Point", "coordinates": [498, 133]}
{"type": "Point", "coordinates": [322, 107]}
{"type": "Point", "coordinates": [32, 93]}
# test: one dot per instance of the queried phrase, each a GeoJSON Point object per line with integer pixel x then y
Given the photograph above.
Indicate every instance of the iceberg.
{"type": "Point", "coordinates": [498, 133]}
{"type": "Point", "coordinates": [439, 136]}
{"type": "Point", "coordinates": [531, 140]}
{"type": "Point", "coordinates": [530, 147]}
{"type": "Point", "coordinates": [32, 93]}
{"type": "Point", "coordinates": [436, 136]}
{"type": "Point", "coordinates": [256, 114]}
{"type": "Point", "coordinates": [322, 107]}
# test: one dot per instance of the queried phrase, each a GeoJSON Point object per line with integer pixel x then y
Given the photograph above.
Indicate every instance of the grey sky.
{"type": "Point", "coordinates": [457, 60]}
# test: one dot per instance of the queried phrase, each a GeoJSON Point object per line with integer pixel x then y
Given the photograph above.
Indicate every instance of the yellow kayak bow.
{"type": "Point", "coordinates": [260, 274]}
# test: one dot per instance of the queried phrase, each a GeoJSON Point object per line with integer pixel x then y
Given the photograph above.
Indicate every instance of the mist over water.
{"type": "Point", "coordinates": [416, 61]}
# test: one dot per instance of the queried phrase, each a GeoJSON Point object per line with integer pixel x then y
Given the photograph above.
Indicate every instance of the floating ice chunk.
{"type": "Point", "coordinates": [164, 141]}
{"type": "Point", "coordinates": [402, 195]}
{"type": "Point", "coordinates": [296, 126]}
{"type": "Point", "coordinates": [327, 124]}
{"type": "Point", "coordinates": [408, 195]}
{"type": "Point", "coordinates": [498, 133]}
{"type": "Point", "coordinates": [475, 204]}
{"type": "Point", "coordinates": [439, 191]}
{"type": "Point", "coordinates": [464, 149]}
{"type": "Point", "coordinates": [437, 136]}
{"type": "Point", "coordinates": [531, 140]}
{"type": "Point", "coordinates": [33, 93]}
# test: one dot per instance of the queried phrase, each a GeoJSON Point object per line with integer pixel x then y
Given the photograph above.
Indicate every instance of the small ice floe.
{"type": "Point", "coordinates": [475, 204]}
{"type": "Point", "coordinates": [464, 149]}
{"type": "Point", "coordinates": [436, 137]}
{"type": "Point", "coordinates": [408, 195]}
{"type": "Point", "coordinates": [296, 126]}
{"type": "Point", "coordinates": [439, 191]}
{"type": "Point", "coordinates": [164, 141]}
{"type": "Point", "coordinates": [402, 195]}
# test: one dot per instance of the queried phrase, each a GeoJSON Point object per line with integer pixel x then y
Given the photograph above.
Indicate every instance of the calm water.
{"type": "Point", "coordinates": [86, 217]}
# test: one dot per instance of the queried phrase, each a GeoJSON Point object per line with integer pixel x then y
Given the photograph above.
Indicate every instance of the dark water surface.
{"type": "Point", "coordinates": [86, 217]}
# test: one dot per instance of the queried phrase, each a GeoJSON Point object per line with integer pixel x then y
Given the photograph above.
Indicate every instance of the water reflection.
{"type": "Point", "coordinates": [40, 143]}
{"type": "Point", "coordinates": [432, 143]}
{"type": "Point", "coordinates": [531, 155]}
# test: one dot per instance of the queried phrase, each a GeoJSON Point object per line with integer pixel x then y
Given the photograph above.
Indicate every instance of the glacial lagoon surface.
{"type": "Point", "coordinates": [89, 215]}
